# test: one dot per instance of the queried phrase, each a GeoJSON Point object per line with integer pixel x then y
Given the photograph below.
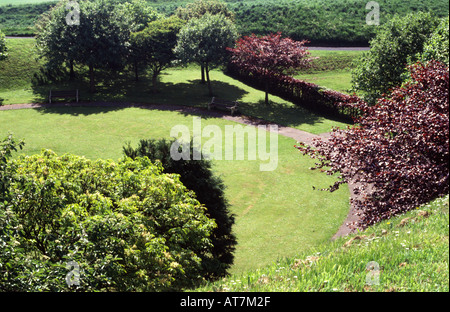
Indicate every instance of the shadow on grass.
{"type": "Point", "coordinates": [118, 91]}
{"type": "Point", "coordinates": [121, 91]}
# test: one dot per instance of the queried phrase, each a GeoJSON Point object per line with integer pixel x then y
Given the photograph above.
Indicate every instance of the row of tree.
{"type": "Point", "coordinates": [119, 36]}
{"type": "Point", "coordinates": [131, 35]}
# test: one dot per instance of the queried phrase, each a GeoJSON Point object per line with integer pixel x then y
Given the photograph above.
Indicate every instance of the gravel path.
{"type": "Point", "coordinates": [298, 135]}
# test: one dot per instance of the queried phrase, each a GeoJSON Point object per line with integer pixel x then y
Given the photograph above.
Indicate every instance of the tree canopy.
{"type": "Point", "coordinates": [3, 48]}
{"type": "Point", "coordinates": [125, 224]}
{"type": "Point", "coordinates": [153, 46]}
{"type": "Point", "coordinates": [397, 42]}
{"type": "Point", "coordinates": [270, 55]}
{"type": "Point", "coordinates": [205, 41]}
{"type": "Point", "coordinates": [398, 150]}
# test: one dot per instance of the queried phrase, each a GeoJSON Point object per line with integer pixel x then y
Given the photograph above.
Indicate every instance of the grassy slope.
{"type": "Point", "coordinates": [278, 213]}
{"type": "Point", "coordinates": [411, 250]}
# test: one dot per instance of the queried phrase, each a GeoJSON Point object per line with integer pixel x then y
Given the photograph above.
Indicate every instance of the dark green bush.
{"type": "Point", "coordinates": [197, 175]}
{"type": "Point", "coordinates": [125, 224]}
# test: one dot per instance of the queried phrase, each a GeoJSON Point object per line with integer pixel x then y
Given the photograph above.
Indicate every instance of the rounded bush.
{"type": "Point", "coordinates": [121, 226]}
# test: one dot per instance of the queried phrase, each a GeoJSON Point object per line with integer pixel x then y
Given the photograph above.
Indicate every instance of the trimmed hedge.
{"type": "Point", "coordinates": [302, 93]}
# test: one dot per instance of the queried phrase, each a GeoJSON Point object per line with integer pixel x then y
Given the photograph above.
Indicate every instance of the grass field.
{"type": "Point", "coordinates": [278, 213]}
{"type": "Point", "coordinates": [178, 86]}
{"type": "Point", "coordinates": [408, 253]}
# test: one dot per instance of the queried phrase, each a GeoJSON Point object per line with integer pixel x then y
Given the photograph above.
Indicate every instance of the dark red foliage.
{"type": "Point", "coordinates": [270, 55]}
{"type": "Point", "coordinates": [300, 92]}
{"type": "Point", "coordinates": [398, 150]}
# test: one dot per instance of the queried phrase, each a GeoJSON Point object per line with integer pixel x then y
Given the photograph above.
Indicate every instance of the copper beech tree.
{"type": "Point", "coordinates": [270, 56]}
{"type": "Point", "coordinates": [398, 150]}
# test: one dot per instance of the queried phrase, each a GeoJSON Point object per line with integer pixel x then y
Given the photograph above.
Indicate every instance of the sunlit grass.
{"type": "Point", "coordinates": [278, 214]}
{"type": "Point", "coordinates": [407, 253]}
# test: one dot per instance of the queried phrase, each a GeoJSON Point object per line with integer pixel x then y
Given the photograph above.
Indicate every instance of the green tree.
{"type": "Point", "coordinates": [3, 48]}
{"type": "Point", "coordinates": [199, 8]}
{"type": "Point", "coordinates": [204, 41]}
{"type": "Point", "coordinates": [99, 40]}
{"type": "Point", "coordinates": [140, 14]}
{"type": "Point", "coordinates": [383, 67]}
{"type": "Point", "coordinates": [56, 40]}
{"type": "Point", "coordinates": [198, 176]}
{"type": "Point", "coordinates": [153, 46]}
{"type": "Point", "coordinates": [436, 48]}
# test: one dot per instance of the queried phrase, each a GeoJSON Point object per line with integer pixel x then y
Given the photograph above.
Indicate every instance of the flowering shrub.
{"type": "Point", "coordinates": [126, 225]}
{"type": "Point", "coordinates": [398, 150]}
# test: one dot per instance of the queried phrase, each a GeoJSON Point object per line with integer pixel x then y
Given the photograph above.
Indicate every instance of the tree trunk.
{"type": "Point", "coordinates": [267, 92]}
{"type": "Point", "coordinates": [208, 80]}
{"type": "Point", "coordinates": [91, 78]}
{"type": "Point", "coordinates": [202, 68]}
{"type": "Point", "coordinates": [155, 81]}
{"type": "Point", "coordinates": [136, 71]}
{"type": "Point", "coordinates": [72, 72]}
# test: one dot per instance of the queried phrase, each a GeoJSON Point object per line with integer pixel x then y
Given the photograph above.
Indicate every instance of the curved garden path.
{"type": "Point", "coordinates": [298, 135]}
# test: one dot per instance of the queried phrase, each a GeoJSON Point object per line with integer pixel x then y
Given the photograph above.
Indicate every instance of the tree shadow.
{"type": "Point", "coordinates": [285, 114]}
{"type": "Point", "coordinates": [121, 91]}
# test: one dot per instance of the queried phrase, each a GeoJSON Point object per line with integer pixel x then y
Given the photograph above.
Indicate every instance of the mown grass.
{"type": "Point", "coordinates": [278, 213]}
{"type": "Point", "coordinates": [179, 86]}
{"type": "Point", "coordinates": [407, 253]}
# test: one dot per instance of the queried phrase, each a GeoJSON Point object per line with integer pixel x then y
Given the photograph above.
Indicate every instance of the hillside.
{"type": "Point", "coordinates": [407, 253]}
{"type": "Point", "coordinates": [339, 22]}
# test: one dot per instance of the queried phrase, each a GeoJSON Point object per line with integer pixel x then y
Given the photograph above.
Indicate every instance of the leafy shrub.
{"type": "Point", "coordinates": [197, 175]}
{"type": "Point", "coordinates": [436, 48]}
{"type": "Point", "coordinates": [3, 48]}
{"type": "Point", "coordinates": [128, 226]}
{"type": "Point", "coordinates": [397, 43]}
{"type": "Point", "coordinates": [7, 147]}
{"type": "Point", "coordinates": [399, 149]}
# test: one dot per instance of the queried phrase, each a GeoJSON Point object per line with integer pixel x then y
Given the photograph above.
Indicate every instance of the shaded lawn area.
{"type": "Point", "coordinates": [178, 86]}
{"type": "Point", "coordinates": [278, 213]}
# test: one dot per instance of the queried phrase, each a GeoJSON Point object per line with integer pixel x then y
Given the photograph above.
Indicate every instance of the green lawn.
{"type": "Point", "coordinates": [408, 253]}
{"type": "Point", "coordinates": [178, 86]}
{"type": "Point", "coordinates": [332, 69]}
{"type": "Point", "coordinates": [278, 213]}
